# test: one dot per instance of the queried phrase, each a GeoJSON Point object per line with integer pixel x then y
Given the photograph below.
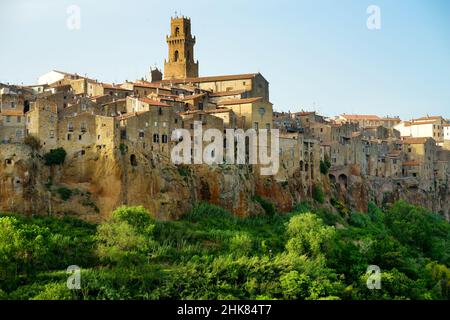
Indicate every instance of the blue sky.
{"type": "Point", "coordinates": [315, 54]}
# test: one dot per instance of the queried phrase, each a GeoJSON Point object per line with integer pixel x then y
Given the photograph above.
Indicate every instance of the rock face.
{"type": "Point", "coordinates": [98, 181]}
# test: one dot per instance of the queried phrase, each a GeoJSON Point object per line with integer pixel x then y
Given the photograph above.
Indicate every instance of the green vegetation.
{"type": "Point", "coordinates": [64, 193]}
{"type": "Point", "coordinates": [210, 254]}
{"type": "Point", "coordinates": [32, 142]}
{"type": "Point", "coordinates": [55, 157]}
{"type": "Point", "coordinates": [325, 166]}
{"type": "Point", "coordinates": [318, 194]}
{"type": "Point", "coordinates": [269, 207]}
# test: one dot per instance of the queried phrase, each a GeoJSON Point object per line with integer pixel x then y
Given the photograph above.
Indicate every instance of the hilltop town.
{"type": "Point", "coordinates": [117, 143]}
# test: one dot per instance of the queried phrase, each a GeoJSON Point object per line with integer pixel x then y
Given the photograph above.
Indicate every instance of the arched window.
{"type": "Point", "coordinates": [177, 31]}
{"type": "Point", "coordinates": [176, 55]}
{"type": "Point", "coordinates": [133, 160]}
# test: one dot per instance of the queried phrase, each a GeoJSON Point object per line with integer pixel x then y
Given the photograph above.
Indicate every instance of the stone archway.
{"type": "Point", "coordinates": [343, 180]}
{"type": "Point", "coordinates": [332, 178]}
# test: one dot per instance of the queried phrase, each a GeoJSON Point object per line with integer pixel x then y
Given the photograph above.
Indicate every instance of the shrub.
{"type": "Point", "coordinates": [308, 235]}
{"type": "Point", "coordinates": [325, 166]}
{"type": "Point", "coordinates": [268, 206]}
{"type": "Point", "coordinates": [295, 285]}
{"type": "Point", "coordinates": [123, 149]}
{"type": "Point", "coordinates": [241, 244]}
{"type": "Point", "coordinates": [318, 194]}
{"type": "Point", "coordinates": [64, 193]}
{"type": "Point", "coordinates": [136, 216]}
{"type": "Point", "coordinates": [32, 142]}
{"type": "Point", "coordinates": [55, 157]}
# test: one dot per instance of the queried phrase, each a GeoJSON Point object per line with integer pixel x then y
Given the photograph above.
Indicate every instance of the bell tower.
{"type": "Point", "coordinates": [180, 64]}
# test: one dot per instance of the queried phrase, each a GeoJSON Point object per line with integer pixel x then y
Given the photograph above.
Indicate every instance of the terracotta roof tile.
{"type": "Point", "coordinates": [239, 101]}
{"type": "Point", "coordinates": [12, 113]}
{"type": "Point", "coordinates": [153, 102]}
{"type": "Point", "coordinates": [411, 163]}
{"type": "Point", "coordinates": [410, 140]}
{"type": "Point", "coordinates": [213, 78]}
{"type": "Point", "coordinates": [360, 117]}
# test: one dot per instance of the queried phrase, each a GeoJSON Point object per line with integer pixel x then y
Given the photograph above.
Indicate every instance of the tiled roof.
{"type": "Point", "coordinates": [12, 113]}
{"type": "Point", "coordinates": [213, 78]}
{"type": "Point", "coordinates": [223, 110]}
{"type": "Point", "coordinates": [411, 163]}
{"type": "Point", "coordinates": [360, 117]}
{"type": "Point", "coordinates": [239, 101]}
{"type": "Point", "coordinates": [115, 101]}
{"type": "Point", "coordinates": [129, 115]}
{"type": "Point", "coordinates": [410, 140]}
{"type": "Point", "coordinates": [194, 96]}
{"type": "Point", "coordinates": [114, 87]}
{"type": "Point", "coordinates": [418, 123]}
{"type": "Point", "coordinates": [304, 113]}
{"type": "Point", "coordinates": [152, 85]}
{"type": "Point", "coordinates": [428, 118]}
{"type": "Point", "coordinates": [227, 93]}
{"type": "Point", "coordinates": [153, 102]}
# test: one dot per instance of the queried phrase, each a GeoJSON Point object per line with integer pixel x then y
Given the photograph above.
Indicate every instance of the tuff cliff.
{"type": "Point", "coordinates": [98, 181]}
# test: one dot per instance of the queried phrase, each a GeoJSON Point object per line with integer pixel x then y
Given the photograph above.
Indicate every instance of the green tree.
{"type": "Point", "coordinates": [308, 235]}
{"type": "Point", "coordinates": [318, 194]}
{"type": "Point", "coordinates": [127, 237]}
{"type": "Point", "coordinates": [295, 285]}
{"type": "Point", "coordinates": [55, 157]}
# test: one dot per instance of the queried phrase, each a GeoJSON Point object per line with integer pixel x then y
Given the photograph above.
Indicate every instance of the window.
{"type": "Point", "coordinates": [177, 31]}
{"type": "Point", "coordinates": [19, 133]}
{"type": "Point", "coordinates": [176, 56]}
{"type": "Point", "coordinates": [176, 120]}
{"type": "Point", "coordinates": [164, 138]}
{"type": "Point", "coordinates": [70, 127]}
{"type": "Point", "coordinates": [8, 118]}
{"type": "Point", "coordinates": [256, 125]}
{"type": "Point", "coordinates": [156, 124]}
{"type": "Point", "coordinates": [164, 124]}
{"type": "Point", "coordinates": [83, 127]}
{"type": "Point", "coordinates": [155, 138]}
{"type": "Point", "coordinates": [13, 105]}
{"type": "Point", "coordinates": [69, 137]}
{"type": "Point", "coordinates": [52, 134]}
{"type": "Point", "coordinates": [200, 105]}
{"type": "Point", "coordinates": [80, 137]}
{"type": "Point", "coordinates": [160, 111]}
{"type": "Point", "coordinates": [268, 126]}
{"type": "Point", "coordinates": [141, 134]}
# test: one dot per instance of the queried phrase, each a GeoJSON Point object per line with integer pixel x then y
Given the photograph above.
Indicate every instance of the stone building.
{"type": "Point", "coordinates": [257, 112]}
{"type": "Point", "coordinates": [180, 64]}
{"type": "Point", "coordinates": [42, 123]}
{"type": "Point", "coordinates": [419, 159]}
{"type": "Point", "coordinates": [150, 131]}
